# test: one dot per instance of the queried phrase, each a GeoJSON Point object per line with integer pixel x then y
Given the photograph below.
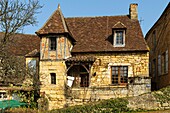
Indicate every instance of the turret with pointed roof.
{"type": "Point", "coordinates": [55, 24]}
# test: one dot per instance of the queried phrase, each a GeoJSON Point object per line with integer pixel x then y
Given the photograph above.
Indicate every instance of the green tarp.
{"type": "Point", "coordinates": [11, 104]}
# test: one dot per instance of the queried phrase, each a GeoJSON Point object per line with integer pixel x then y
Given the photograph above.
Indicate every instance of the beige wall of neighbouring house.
{"type": "Point", "coordinates": [32, 64]}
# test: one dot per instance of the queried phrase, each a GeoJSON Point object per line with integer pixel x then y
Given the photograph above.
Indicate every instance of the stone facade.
{"type": "Point", "coordinates": [100, 85]}
{"type": "Point", "coordinates": [53, 62]}
{"type": "Point", "coordinates": [79, 63]}
{"type": "Point", "coordinates": [157, 39]}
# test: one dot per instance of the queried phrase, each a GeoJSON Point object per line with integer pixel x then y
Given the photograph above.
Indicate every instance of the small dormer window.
{"type": "Point", "coordinates": [52, 45]}
{"type": "Point", "coordinates": [119, 38]}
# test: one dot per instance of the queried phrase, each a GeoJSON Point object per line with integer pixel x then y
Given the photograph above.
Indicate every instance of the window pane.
{"type": "Point", "coordinates": [114, 75]}
{"type": "Point", "coordinates": [53, 78]}
{"type": "Point", "coordinates": [119, 74]}
{"type": "Point", "coordinates": [119, 37]}
{"type": "Point", "coordinates": [52, 43]}
{"type": "Point", "coordinates": [166, 61]}
{"type": "Point", "coordinates": [32, 66]}
{"type": "Point", "coordinates": [159, 65]}
{"type": "Point", "coordinates": [84, 80]}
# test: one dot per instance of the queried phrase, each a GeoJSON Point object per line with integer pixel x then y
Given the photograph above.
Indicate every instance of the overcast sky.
{"type": "Point", "coordinates": [148, 10]}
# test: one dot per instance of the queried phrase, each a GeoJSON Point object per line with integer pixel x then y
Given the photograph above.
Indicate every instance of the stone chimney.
{"type": "Point", "coordinates": [133, 11]}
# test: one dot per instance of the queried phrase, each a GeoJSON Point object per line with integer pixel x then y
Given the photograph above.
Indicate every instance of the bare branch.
{"type": "Point", "coordinates": [14, 16]}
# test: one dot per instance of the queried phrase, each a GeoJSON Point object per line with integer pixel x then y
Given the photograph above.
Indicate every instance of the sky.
{"type": "Point", "coordinates": [148, 10]}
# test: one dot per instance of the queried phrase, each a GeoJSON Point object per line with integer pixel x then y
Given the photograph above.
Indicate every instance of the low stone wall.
{"type": "Point", "coordinates": [159, 100]}
{"type": "Point", "coordinates": [79, 96]}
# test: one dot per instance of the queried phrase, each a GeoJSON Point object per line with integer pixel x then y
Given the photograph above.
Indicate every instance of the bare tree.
{"type": "Point", "coordinates": [14, 16]}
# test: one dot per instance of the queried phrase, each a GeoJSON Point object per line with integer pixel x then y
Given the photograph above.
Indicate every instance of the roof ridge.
{"type": "Point", "coordinates": [62, 18]}
{"type": "Point", "coordinates": [21, 34]}
{"type": "Point", "coordinates": [46, 21]}
{"type": "Point", "coordinates": [96, 16]}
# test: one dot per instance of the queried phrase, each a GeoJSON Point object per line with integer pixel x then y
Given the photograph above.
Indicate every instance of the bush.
{"type": "Point", "coordinates": [21, 110]}
{"type": "Point", "coordinates": [105, 106]}
{"type": "Point", "coordinates": [163, 95]}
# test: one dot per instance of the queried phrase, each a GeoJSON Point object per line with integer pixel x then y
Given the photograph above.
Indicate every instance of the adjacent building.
{"type": "Point", "coordinates": [158, 40]}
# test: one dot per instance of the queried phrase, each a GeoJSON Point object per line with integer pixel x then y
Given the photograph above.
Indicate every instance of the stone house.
{"type": "Point", "coordinates": [86, 59]}
{"type": "Point", "coordinates": [158, 38]}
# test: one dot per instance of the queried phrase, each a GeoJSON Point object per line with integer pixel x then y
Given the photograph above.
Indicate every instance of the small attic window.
{"type": "Point", "coordinates": [119, 38]}
{"type": "Point", "coordinates": [119, 34]}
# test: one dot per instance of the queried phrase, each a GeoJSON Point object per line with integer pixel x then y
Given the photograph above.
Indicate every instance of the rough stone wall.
{"type": "Point", "coordinates": [137, 66]}
{"type": "Point", "coordinates": [55, 93]}
{"type": "Point", "coordinates": [150, 101]}
{"type": "Point", "coordinates": [52, 61]}
{"type": "Point", "coordinates": [100, 84]}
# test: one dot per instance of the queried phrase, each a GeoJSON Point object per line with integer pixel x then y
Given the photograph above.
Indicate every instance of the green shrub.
{"type": "Point", "coordinates": [163, 95]}
{"type": "Point", "coordinates": [104, 106]}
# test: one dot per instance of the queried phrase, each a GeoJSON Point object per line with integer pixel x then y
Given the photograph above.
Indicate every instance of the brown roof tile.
{"type": "Point", "coordinates": [94, 34]}
{"type": "Point", "coordinates": [34, 53]}
{"type": "Point", "coordinates": [81, 59]}
{"type": "Point", "coordinates": [119, 25]}
{"type": "Point", "coordinates": [21, 44]}
{"type": "Point", "coordinates": [55, 24]}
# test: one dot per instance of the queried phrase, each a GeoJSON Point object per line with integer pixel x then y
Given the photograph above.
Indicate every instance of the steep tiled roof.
{"type": "Point", "coordinates": [55, 24]}
{"type": "Point", "coordinates": [94, 34]}
{"type": "Point", "coordinates": [21, 44]}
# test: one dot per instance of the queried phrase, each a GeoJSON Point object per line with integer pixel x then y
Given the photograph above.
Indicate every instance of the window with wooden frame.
{"type": "Point", "coordinates": [53, 78]}
{"type": "Point", "coordinates": [84, 75]}
{"type": "Point", "coordinates": [154, 40]}
{"type": "Point", "coordinates": [119, 38]}
{"type": "Point", "coordinates": [159, 64]}
{"type": "Point", "coordinates": [119, 75]}
{"type": "Point", "coordinates": [154, 68]}
{"type": "Point", "coordinates": [53, 42]}
{"type": "Point", "coordinates": [166, 61]}
{"type": "Point", "coordinates": [163, 63]}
